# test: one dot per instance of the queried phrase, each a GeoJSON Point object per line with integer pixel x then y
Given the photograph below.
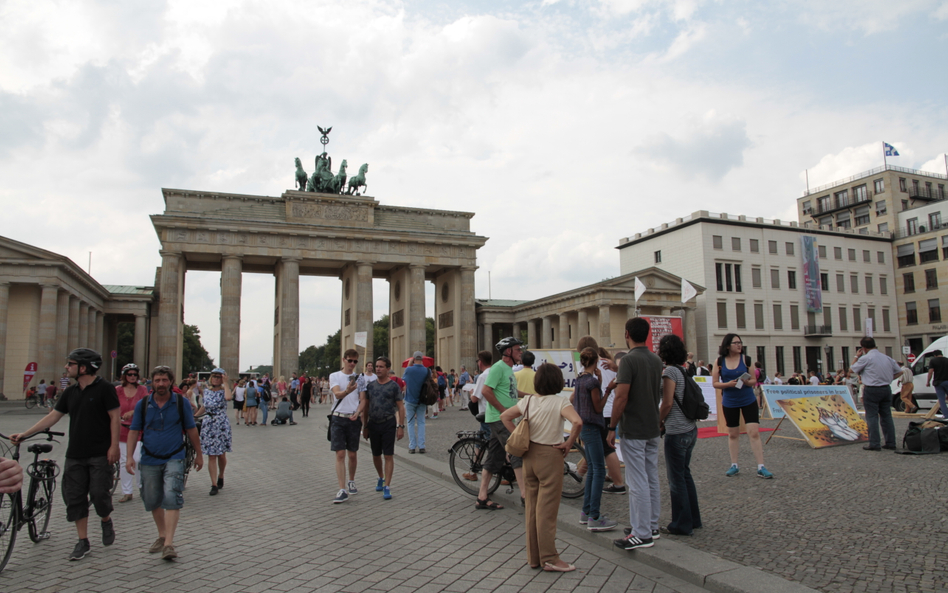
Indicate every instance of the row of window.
{"type": "Point", "coordinates": [934, 312]}
{"type": "Point", "coordinates": [728, 279]}
{"type": "Point", "coordinates": [908, 281]}
{"type": "Point", "coordinates": [717, 242]}
{"type": "Point", "coordinates": [934, 222]}
{"type": "Point", "coordinates": [927, 251]}
{"type": "Point", "coordinates": [741, 317]}
{"type": "Point", "coordinates": [851, 254]}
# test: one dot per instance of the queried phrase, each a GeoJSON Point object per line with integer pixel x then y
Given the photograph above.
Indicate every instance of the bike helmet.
{"type": "Point", "coordinates": [129, 367]}
{"type": "Point", "coordinates": [87, 357]}
{"type": "Point", "coordinates": [219, 371]}
{"type": "Point", "coordinates": [508, 342]}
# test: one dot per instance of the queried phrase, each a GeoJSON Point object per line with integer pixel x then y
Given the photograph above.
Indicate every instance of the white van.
{"type": "Point", "coordinates": [924, 395]}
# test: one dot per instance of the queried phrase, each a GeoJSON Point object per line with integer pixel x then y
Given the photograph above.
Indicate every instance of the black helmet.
{"type": "Point", "coordinates": [508, 343]}
{"type": "Point", "coordinates": [87, 357]}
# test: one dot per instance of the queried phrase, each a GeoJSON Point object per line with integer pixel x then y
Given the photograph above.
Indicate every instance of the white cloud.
{"type": "Point", "coordinates": [866, 16]}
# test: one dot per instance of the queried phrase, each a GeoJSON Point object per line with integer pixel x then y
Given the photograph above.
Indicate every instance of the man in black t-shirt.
{"type": "Point", "coordinates": [938, 376]}
{"type": "Point", "coordinates": [94, 420]}
{"type": "Point", "coordinates": [382, 409]}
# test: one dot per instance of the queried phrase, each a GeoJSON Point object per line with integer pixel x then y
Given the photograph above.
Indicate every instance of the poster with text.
{"type": "Point", "coordinates": [561, 358]}
{"type": "Point", "coordinates": [710, 395]}
{"type": "Point", "coordinates": [660, 327]}
{"type": "Point", "coordinates": [772, 393]}
{"type": "Point", "coordinates": [825, 420]}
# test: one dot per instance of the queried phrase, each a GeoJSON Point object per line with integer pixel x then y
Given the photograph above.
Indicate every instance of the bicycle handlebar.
{"type": "Point", "coordinates": [49, 434]}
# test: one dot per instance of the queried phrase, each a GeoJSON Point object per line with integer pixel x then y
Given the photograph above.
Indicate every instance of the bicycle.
{"type": "Point", "coordinates": [466, 461]}
{"type": "Point", "coordinates": [39, 498]}
{"type": "Point", "coordinates": [36, 399]}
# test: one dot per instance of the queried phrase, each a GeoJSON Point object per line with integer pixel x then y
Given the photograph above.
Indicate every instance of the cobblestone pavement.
{"type": "Point", "coordinates": [273, 527]}
{"type": "Point", "coordinates": [839, 519]}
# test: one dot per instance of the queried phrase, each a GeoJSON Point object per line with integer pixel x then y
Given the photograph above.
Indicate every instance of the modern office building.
{"type": "Point", "coordinates": [755, 277]}
{"type": "Point", "coordinates": [921, 249]}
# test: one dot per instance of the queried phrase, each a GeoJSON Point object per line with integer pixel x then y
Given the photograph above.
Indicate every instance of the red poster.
{"type": "Point", "coordinates": [662, 326]}
{"type": "Point", "coordinates": [28, 374]}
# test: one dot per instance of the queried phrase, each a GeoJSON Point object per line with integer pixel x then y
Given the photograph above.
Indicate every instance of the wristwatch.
{"type": "Point", "coordinates": [612, 429]}
{"type": "Point", "coordinates": [399, 426]}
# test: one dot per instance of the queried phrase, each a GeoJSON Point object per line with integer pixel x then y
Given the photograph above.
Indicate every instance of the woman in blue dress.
{"type": "Point", "coordinates": [216, 436]}
{"type": "Point", "coordinates": [732, 375]}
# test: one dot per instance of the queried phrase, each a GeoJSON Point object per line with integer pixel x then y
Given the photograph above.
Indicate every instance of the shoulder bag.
{"type": "Point", "coordinates": [519, 441]}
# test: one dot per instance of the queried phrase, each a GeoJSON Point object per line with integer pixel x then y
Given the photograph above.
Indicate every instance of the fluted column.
{"type": "Point", "coordinates": [546, 339]}
{"type": "Point", "coordinates": [231, 286]}
{"type": "Point", "coordinates": [4, 306]}
{"type": "Point", "coordinates": [83, 325]}
{"type": "Point", "coordinates": [100, 335]}
{"type": "Point", "coordinates": [73, 341]}
{"type": "Point", "coordinates": [290, 318]}
{"type": "Point", "coordinates": [517, 331]}
{"type": "Point", "coordinates": [62, 327]}
{"type": "Point", "coordinates": [583, 322]}
{"type": "Point", "coordinates": [532, 334]}
{"type": "Point", "coordinates": [169, 311]}
{"type": "Point", "coordinates": [49, 302]}
{"type": "Point", "coordinates": [562, 339]}
{"type": "Point", "coordinates": [605, 327]}
{"type": "Point", "coordinates": [138, 348]}
{"type": "Point", "coordinates": [364, 311]}
{"type": "Point", "coordinates": [468, 319]}
{"type": "Point", "coordinates": [416, 314]}
{"type": "Point", "coordinates": [90, 323]}
{"type": "Point", "coordinates": [489, 337]}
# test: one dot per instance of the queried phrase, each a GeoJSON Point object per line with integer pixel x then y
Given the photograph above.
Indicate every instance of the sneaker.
{"type": "Point", "coordinates": [583, 518]}
{"type": "Point", "coordinates": [108, 533]}
{"type": "Point", "coordinates": [631, 543]}
{"type": "Point", "coordinates": [292, 423]}
{"type": "Point", "coordinates": [732, 471]}
{"type": "Point", "coordinates": [412, 451]}
{"type": "Point", "coordinates": [422, 450]}
{"type": "Point", "coordinates": [656, 534]}
{"type": "Point", "coordinates": [168, 553]}
{"type": "Point", "coordinates": [603, 523]}
{"type": "Point", "coordinates": [386, 493]}
{"type": "Point", "coordinates": [79, 552]}
{"type": "Point", "coordinates": [214, 491]}
{"type": "Point", "coordinates": [764, 473]}
{"type": "Point", "coordinates": [352, 487]}
{"type": "Point", "coordinates": [341, 496]}
{"type": "Point", "coordinates": [158, 546]}
{"type": "Point", "coordinates": [615, 489]}
{"type": "Point", "coordinates": [380, 485]}
{"type": "Point", "coordinates": [220, 483]}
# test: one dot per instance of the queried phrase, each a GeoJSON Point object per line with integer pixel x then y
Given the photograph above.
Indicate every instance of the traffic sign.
{"type": "Point", "coordinates": [114, 354]}
{"type": "Point", "coordinates": [911, 358]}
{"type": "Point", "coordinates": [906, 349]}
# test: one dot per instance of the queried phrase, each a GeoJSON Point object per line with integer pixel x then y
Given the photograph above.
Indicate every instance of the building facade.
{"type": "Point", "coordinates": [754, 278]}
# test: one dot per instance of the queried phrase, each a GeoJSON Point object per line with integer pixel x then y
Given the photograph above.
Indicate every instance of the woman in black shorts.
{"type": "Point", "coordinates": [737, 401]}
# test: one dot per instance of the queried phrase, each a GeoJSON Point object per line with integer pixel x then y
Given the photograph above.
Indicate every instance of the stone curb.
{"type": "Point", "coordinates": [671, 557]}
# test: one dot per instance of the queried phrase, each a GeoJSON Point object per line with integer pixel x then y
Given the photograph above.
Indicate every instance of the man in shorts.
{"type": "Point", "coordinates": [160, 420]}
{"type": "Point", "coordinates": [382, 409]}
{"type": "Point", "coordinates": [346, 424]}
{"type": "Point", "coordinates": [500, 393]}
{"type": "Point", "coordinates": [94, 421]}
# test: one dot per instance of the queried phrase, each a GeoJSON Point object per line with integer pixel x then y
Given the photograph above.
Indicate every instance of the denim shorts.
{"type": "Point", "coordinates": [163, 485]}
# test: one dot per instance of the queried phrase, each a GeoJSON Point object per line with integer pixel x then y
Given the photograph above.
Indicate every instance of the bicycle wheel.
{"type": "Point", "coordinates": [9, 504]}
{"type": "Point", "coordinates": [30, 402]}
{"type": "Point", "coordinates": [574, 484]}
{"type": "Point", "coordinates": [41, 502]}
{"type": "Point", "coordinates": [466, 460]}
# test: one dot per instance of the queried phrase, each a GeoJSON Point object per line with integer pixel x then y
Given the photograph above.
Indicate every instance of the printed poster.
{"type": "Point", "coordinates": [772, 393]}
{"type": "Point", "coordinates": [812, 289]}
{"type": "Point", "coordinates": [660, 327]}
{"type": "Point", "coordinates": [825, 420]}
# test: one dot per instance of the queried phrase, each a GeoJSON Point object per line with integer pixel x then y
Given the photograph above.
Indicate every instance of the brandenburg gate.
{"type": "Point", "coordinates": [351, 237]}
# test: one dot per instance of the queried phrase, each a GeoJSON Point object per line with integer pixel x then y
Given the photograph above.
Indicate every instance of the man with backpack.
{"type": "Point", "coordinates": [160, 420]}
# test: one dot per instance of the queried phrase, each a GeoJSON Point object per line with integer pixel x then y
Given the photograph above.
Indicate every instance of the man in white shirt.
{"type": "Point", "coordinates": [813, 380]}
{"type": "Point", "coordinates": [484, 360]}
{"type": "Point", "coordinates": [370, 372]}
{"type": "Point", "coordinates": [346, 426]}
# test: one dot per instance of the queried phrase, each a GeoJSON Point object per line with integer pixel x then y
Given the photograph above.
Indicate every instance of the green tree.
{"type": "Point", "coordinates": [429, 336]}
{"type": "Point", "coordinates": [195, 356]}
{"type": "Point", "coordinates": [380, 337]}
{"type": "Point", "coordinates": [264, 369]}
{"type": "Point", "coordinates": [126, 347]}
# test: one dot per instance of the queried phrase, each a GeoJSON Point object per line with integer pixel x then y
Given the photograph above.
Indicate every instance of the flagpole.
{"type": "Point", "coordinates": [885, 163]}
{"type": "Point", "coordinates": [807, 171]}
{"type": "Point", "coordinates": [946, 163]}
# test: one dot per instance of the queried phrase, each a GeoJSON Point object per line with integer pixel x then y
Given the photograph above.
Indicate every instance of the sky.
{"type": "Point", "coordinates": [563, 125]}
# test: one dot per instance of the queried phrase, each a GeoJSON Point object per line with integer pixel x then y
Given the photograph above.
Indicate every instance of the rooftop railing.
{"type": "Point", "coordinates": [869, 173]}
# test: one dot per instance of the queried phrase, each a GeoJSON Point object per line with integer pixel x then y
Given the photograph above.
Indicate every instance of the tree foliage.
{"type": "Point", "coordinates": [326, 359]}
{"type": "Point", "coordinates": [195, 356]}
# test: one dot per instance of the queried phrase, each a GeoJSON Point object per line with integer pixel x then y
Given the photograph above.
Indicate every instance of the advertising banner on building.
{"type": "Point", "coordinates": [811, 275]}
{"type": "Point", "coordinates": [660, 327]}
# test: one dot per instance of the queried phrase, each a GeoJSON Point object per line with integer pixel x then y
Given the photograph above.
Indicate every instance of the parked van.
{"type": "Point", "coordinates": [924, 395]}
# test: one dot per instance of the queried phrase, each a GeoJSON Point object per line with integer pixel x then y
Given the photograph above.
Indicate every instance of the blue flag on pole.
{"type": "Point", "coordinates": [890, 150]}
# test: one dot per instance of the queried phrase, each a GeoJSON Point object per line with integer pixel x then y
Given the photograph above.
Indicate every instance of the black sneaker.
{"type": "Point", "coordinates": [79, 552]}
{"type": "Point", "coordinates": [615, 489]}
{"type": "Point", "coordinates": [108, 533]}
{"type": "Point", "coordinates": [214, 490]}
{"type": "Point", "coordinates": [632, 543]}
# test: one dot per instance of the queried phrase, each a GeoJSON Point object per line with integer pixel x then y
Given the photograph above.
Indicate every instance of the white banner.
{"type": "Point", "coordinates": [360, 338]}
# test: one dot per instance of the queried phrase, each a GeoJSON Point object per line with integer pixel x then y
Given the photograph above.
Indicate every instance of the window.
{"type": "Point", "coordinates": [854, 283]}
{"type": "Point", "coordinates": [828, 316]}
{"type": "Point", "coordinates": [737, 277]}
{"type": "Point", "coordinates": [840, 283]}
{"type": "Point", "coordinates": [868, 284]}
{"type": "Point", "coordinates": [878, 186]}
{"type": "Point", "coordinates": [774, 278]}
{"type": "Point", "coordinates": [852, 254]}
{"type": "Point", "coordinates": [904, 204]}
{"type": "Point", "coordinates": [911, 314]}
{"type": "Point", "coordinates": [794, 316]}
{"type": "Point", "coordinates": [886, 325]}
{"type": "Point", "coordinates": [888, 351]}
{"type": "Point", "coordinates": [754, 246]}
{"type": "Point", "coordinates": [915, 187]}
{"type": "Point", "coordinates": [717, 241]}
{"type": "Point", "coordinates": [931, 279]}
{"type": "Point", "coordinates": [843, 220]}
{"type": "Point", "coordinates": [841, 198]}
{"type": "Point", "coordinates": [789, 248]}
{"type": "Point", "coordinates": [824, 204]}
{"type": "Point", "coordinates": [762, 359]}
{"type": "Point", "coordinates": [944, 246]}
{"type": "Point", "coordinates": [830, 362]}
{"type": "Point", "coordinates": [880, 257]}
{"type": "Point", "coordinates": [905, 255]}
{"type": "Point", "coordinates": [934, 221]}
{"type": "Point", "coordinates": [826, 221]}
{"type": "Point", "coordinates": [860, 193]}
{"type": "Point", "coordinates": [740, 316]}
{"type": "Point", "coordinates": [797, 359]}
{"type": "Point", "coordinates": [902, 186]}
{"type": "Point", "coordinates": [792, 279]}
{"type": "Point", "coordinates": [843, 321]}
{"type": "Point", "coordinates": [658, 257]}
{"type": "Point", "coordinates": [778, 316]}
{"type": "Point", "coordinates": [755, 277]}
{"type": "Point", "coordinates": [772, 247]}
{"type": "Point", "coordinates": [779, 354]}
{"type": "Point", "coordinates": [857, 319]}
{"type": "Point", "coordinates": [759, 315]}
{"type": "Point", "coordinates": [911, 226]}
{"type": "Point", "coordinates": [722, 315]}
{"type": "Point", "coordinates": [883, 227]}
{"type": "Point", "coordinates": [862, 215]}
{"type": "Point", "coordinates": [908, 282]}
{"type": "Point", "coordinates": [880, 208]}
{"type": "Point", "coordinates": [866, 256]}
{"type": "Point", "coordinates": [928, 250]}
{"type": "Point", "coordinates": [883, 285]}
{"type": "Point", "coordinates": [806, 206]}
{"type": "Point", "coordinates": [821, 249]}
{"type": "Point", "coordinates": [735, 243]}
{"type": "Point", "coordinates": [825, 282]}
{"type": "Point", "coordinates": [838, 252]}
{"type": "Point", "coordinates": [844, 354]}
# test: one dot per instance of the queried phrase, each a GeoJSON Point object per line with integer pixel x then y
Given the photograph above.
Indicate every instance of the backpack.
{"type": "Point", "coordinates": [442, 382]}
{"type": "Point", "coordinates": [264, 394]}
{"type": "Point", "coordinates": [692, 403]}
{"type": "Point", "coordinates": [428, 395]}
{"type": "Point", "coordinates": [144, 404]}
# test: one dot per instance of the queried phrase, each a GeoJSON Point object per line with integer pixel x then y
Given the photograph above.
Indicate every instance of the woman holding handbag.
{"type": "Point", "coordinates": [544, 415]}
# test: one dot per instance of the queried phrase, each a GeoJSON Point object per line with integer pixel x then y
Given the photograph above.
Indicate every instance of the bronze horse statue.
{"type": "Point", "coordinates": [358, 181]}
{"type": "Point", "coordinates": [301, 176]}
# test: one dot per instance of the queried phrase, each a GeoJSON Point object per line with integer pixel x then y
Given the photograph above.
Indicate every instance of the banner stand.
{"type": "Point", "coordinates": [773, 433]}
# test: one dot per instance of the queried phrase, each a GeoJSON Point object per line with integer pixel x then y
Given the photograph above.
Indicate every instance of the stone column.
{"type": "Point", "coordinates": [363, 308]}
{"type": "Point", "coordinates": [100, 335]}
{"type": "Point", "coordinates": [169, 311]}
{"type": "Point", "coordinates": [138, 349]}
{"type": "Point", "coordinates": [83, 325]}
{"type": "Point", "coordinates": [546, 339]}
{"type": "Point", "coordinates": [489, 337]}
{"type": "Point", "coordinates": [91, 339]}
{"type": "Point", "coordinates": [629, 312]}
{"type": "Point", "coordinates": [416, 314]}
{"type": "Point", "coordinates": [605, 327]}
{"type": "Point", "coordinates": [231, 283]}
{"type": "Point", "coordinates": [62, 327]}
{"type": "Point", "coordinates": [290, 318]}
{"type": "Point", "coordinates": [532, 334]}
{"type": "Point", "coordinates": [517, 331]}
{"type": "Point", "coordinates": [691, 331]}
{"type": "Point", "coordinates": [583, 322]}
{"type": "Point", "coordinates": [4, 306]}
{"type": "Point", "coordinates": [563, 338]}
{"type": "Point", "coordinates": [73, 341]}
{"type": "Point", "coordinates": [468, 319]}
{"type": "Point", "coordinates": [49, 301]}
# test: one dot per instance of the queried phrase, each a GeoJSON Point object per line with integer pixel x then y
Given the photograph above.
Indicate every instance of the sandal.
{"type": "Point", "coordinates": [488, 504]}
{"type": "Point", "coordinates": [554, 568]}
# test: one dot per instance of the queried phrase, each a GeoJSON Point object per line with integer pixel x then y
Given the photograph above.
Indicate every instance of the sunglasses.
{"type": "Point", "coordinates": [131, 375]}
{"type": "Point", "coordinates": [352, 361]}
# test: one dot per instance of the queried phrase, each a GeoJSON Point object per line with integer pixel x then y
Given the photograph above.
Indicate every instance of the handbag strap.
{"type": "Point", "coordinates": [526, 411]}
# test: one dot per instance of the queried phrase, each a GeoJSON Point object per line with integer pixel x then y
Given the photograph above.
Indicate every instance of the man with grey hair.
{"type": "Point", "coordinates": [463, 380]}
{"type": "Point", "coordinates": [415, 376]}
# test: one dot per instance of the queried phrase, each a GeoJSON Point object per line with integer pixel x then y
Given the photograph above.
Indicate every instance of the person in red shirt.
{"type": "Point", "coordinates": [129, 393]}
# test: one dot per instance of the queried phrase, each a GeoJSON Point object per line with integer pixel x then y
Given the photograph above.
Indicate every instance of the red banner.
{"type": "Point", "coordinates": [28, 374]}
{"type": "Point", "coordinates": [660, 327]}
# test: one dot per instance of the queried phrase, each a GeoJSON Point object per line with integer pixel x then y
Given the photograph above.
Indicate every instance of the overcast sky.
{"type": "Point", "coordinates": [564, 125]}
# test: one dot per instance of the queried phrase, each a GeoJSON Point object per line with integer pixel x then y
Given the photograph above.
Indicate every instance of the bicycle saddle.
{"type": "Point", "coordinates": [40, 448]}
